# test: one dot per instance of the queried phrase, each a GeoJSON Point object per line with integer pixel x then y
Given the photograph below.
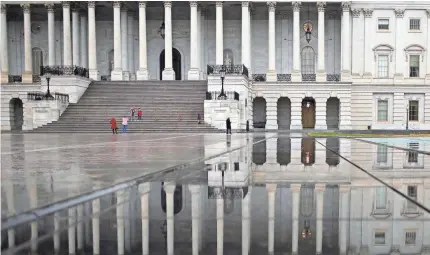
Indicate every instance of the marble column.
{"type": "Point", "coordinates": [124, 44]}
{"type": "Point", "coordinates": [319, 189]}
{"type": "Point", "coordinates": [272, 113]}
{"type": "Point", "coordinates": [117, 74]}
{"type": "Point", "coordinates": [142, 73]}
{"type": "Point", "coordinates": [144, 190]}
{"type": "Point", "coordinates": [271, 72]}
{"type": "Point", "coordinates": [195, 217]}
{"type": "Point", "coordinates": [51, 33]}
{"type": "Point", "coordinates": [67, 37]}
{"type": "Point", "coordinates": [168, 72]}
{"type": "Point", "coordinates": [245, 34]}
{"type": "Point", "coordinates": [96, 226]}
{"type": "Point", "coordinates": [321, 113]}
{"type": "Point", "coordinates": [72, 230]}
{"type": "Point", "coordinates": [368, 32]}
{"type": "Point", "coordinates": [27, 75]}
{"type": "Point", "coordinates": [346, 42]}
{"type": "Point", "coordinates": [4, 48]}
{"type": "Point", "coordinates": [296, 75]}
{"type": "Point", "coordinates": [271, 194]}
{"type": "Point", "coordinates": [246, 221]}
{"type": "Point", "coordinates": [199, 40]}
{"type": "Point", "coordinates": [321, 72]}
{"type": "Point", "coordinates": [84, 39]}
{"type": "Point", "coordinates": [75, 36]}
{"type": "Point", "coordinates": [219, 59]}
{"type": "Point", "coordinates": [194, 72]}
{"type": "Point", "coordinates": [130, 48]}
{"type": "Point", "coordinates": [202, 55]}
{"type": "Point", "coordinates": [120, 199]}
{"type": "Point", "coordinates": [295, 189]}
{"type": "Point", "coordinates": [427, 78]}
{"type": "Point", "coordinates": [399, 68]}
{"type": "Point", "coordinates": [169, 188]}
{"type": "Point", "coordinates": [220, 224]}
{"type": "Point", "coordinates": [92, 44]}
{"type": "Point", "coordinates": [344, 216]}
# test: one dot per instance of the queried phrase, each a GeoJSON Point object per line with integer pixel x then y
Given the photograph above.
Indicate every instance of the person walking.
{"type": "Point", "coordinates": [113, 126]}
{"type": "Point", "coordinates": [139, 114]}
{"type": "Point", "coordinates": [133, 110]}
{"type": "Point", "coordinates": [199, 119]}
{"type": "Point", "coordinates": [124, 124]}
{"type": "Point", "coordinates": [228, 124]}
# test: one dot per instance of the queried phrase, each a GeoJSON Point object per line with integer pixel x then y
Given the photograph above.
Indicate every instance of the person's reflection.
{"type": "Point", "coordinates": [308, 151]}
{"type": "Point", "coordinates": [228, 141]}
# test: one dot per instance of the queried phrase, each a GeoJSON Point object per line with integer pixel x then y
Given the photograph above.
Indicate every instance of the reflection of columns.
{"type": "Point", "coordinates": [92, 52]}
{"type": "Point", "coordinates": [32, 194]}
{"type": "Point", "coordinates": [120, 197]}
{"type": "Point", "coordinates": [271, 113]}
{"type": "Point", "coordinates": [27, 76]}
{"type": "Point", "coordinates": [321, 74]}
{"type": "Point", "coordinates": [75, 36]}
{"type": "Point", "coordinates": [130, 48]}
{"type": "Point", "coordinates": [169, 188]}
{"type": "Point", "coordinates": [144, 190]}
{"type": "Point", "coordinates": [320, 113]}
{"type": "Point", "coordinates": [271, 193]}
{"type": "Point", "coordinates": [296, 113]}
{"type": "Point", "coordinates": [11, 211]}
{"type": "Point", "coordinates": [117, 74]}
{"type": "Point", "coordinates": [142, 73]}
{"type": "Point", "coordinates": [57, 222]}
{"type": "Point", "coordinates": [67, 37]}
{"type": "Point", "coordinates": [296, 73]}
{"type": "Point", "coordinates": [195, 216]}
{"type": "Point", "coordinates": [271, 72]}
{"type": "Point", "coordinates": [80, 227]}
{"type": "Point", "coordinates": [219, 60]}
{"type": "Point", "coordinates": [193, 73]}
{"type": "Point", "coordinates": [168, 72]}
{"type": "Point", "coordinates": [72, 230]}
{"type": "Point", "coordinates": [51, 34]}
{"type": "Point", "coordinates": [319, 189]}
{"type": "Point", "coordinates": [220, 224]}
{"type": "Point", "coordinates": [96, 226]}
{"type": "Point", "coordinates": [124, 44]}
{"type": "Point", "coordinates": [295, 189]}
{"type": "Point", "coordinates": [4, 49]}
{"type": "Point", "coordinates": [84, 45]}
{"type": "Point", "coordinates": [246, 222]}
{"type": "Point", "coordinates": [346, 43]}
{"type": "Point", "coordinates": [343, 215]}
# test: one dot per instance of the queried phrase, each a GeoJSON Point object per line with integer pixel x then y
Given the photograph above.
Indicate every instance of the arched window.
{"type": "Point", "coordinates": [37, 55]}
{"type": "Point", "coordinates": [308, 60]}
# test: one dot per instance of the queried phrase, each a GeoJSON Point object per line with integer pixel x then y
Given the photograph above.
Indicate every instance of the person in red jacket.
{"type": "Point", "coordinates": [139, 114]}
{"type": "Point", "coordinates": [113, 126]}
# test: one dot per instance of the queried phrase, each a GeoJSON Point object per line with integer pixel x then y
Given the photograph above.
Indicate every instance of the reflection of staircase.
{"type": "Point", "coordinates": [161, 102]}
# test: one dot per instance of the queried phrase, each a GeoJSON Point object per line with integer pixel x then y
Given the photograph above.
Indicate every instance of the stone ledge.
{"type": "Point", "coordinates": [74, 86]}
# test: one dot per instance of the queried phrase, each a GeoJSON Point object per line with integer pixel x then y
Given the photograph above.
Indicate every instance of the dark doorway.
{"type": "Point", "coordinates": [176, 62]}
{"type": "Point", "coordinates": [308, 113]}
{"type": "Point", "coordinates": [16, 113]}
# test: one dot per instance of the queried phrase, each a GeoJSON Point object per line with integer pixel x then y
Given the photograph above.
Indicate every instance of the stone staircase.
{"type": "Point", "coordinates": [162, 102]}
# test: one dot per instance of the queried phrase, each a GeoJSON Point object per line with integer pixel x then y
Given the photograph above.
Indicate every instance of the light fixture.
{"type": "Point", "coordinates": [222, 96]}
{"type": "Point", "coordinates": [162, 30]}
{"type": "Point", "coordinates": [308, 35]}
{"type": "Point", "coordinates": [308, 104]}
{"type": "Point", "coordinates": [306, 232]}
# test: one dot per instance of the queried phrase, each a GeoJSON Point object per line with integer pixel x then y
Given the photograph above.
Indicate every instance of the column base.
{"type": "Point", "coordinates": [4, 77]}
{"type": "Point", "coordinates": [168, 74]}
{"type": "Point", "coordinates": [27, 77]}
{"type": "Point", "coordinates": [296, 76]}
{"type": "Point", "coordinates": [125, 76]}
{"type": "Point", "coordinates": [116, 75]}
{"type": "Point", "coordinates": [142, 75]}
{"type": "Point", "coordinates": [193, 74]}
{"type": "Point", "coordinates": [345, 76]}
{"type": "Point", "coordinates": [399, 78]}
{"type": "Point", "coordinates": [94, 75]}
{"type": "Point", "coordinates": [321, 77]}
{"type": "Point", "coordinates": [271, 76]}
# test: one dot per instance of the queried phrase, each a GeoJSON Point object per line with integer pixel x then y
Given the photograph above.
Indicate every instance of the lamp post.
{"type": "Point", "coordinates": [222, 96]}
{"type": "Point", "coordinates": [48, 93]}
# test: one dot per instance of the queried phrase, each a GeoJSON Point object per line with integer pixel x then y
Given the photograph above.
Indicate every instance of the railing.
{"type": "Point", "coordinates": [309, 77]}
{"type": "Point", "coordinates": [213, 95]}
{"type": "Point", "coordinates": [284, 77]}
{"type": "Point", "coordinates": [36, 96]}
{"type": "Point", "coordinates": [333, 77]}
{"type": "Point", "coordinates": [15, 78]}
{"type": "Point", "coordinates": [229, 69]}
{"type": "Point", "coordinates": [65, 70]}
{"type": "Point", "coordinates": [259, 77]}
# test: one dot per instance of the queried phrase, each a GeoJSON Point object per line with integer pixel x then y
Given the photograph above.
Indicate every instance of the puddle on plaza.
{"type": "Point", "coordinates": [281, 195]}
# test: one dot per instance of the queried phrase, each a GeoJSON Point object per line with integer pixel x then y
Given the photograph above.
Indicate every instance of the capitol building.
{"type": "Point", "coordinates": [293, 64]}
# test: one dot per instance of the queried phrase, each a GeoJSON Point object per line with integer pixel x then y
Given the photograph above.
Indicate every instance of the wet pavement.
{"type": "Point", "coordinates": [250, 193]}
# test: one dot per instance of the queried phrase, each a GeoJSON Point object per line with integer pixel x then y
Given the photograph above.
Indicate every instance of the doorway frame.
{"type": "Point", "coordinates": [312, 105]}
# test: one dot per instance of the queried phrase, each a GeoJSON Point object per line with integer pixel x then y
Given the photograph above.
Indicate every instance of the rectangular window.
{"type": "Point", "coordinates": [382, 154]}
{"type": "Point", "coordinates": [379, 237]}
{"type": "Point", "coordinates": [383, 24]}
{"type": "Point", "coordinates": [414, 66]}
{"type": "Point", "coordinates": [381, 196]}
{"type": "Point", "coordinates": [383, 66]}
{"type": "Point", "coordinates": [414, 24]}
{"type": "Point", "coordinates": [410, 237]}
{"type": "Point", "coordinates": [412, 194]}
{"type": "Point", "coordinates": [382, 110]}
{"type": "Point", "coordinates": [413, 110]}
{"type": "Point", "coordinates": [413, 155]}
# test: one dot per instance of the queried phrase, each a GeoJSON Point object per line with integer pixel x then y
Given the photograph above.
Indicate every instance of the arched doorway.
{"type": "Point", "coordinates": [284, 113]}
{"type": "Point", "coordinates": [259, 112]}
{"type": "Point", "coordinates": [176, 62]}
{"type": "Point", "coordinates": [308, 112]}
{"type": "Point", "coordinates": [308, 151]}
{"type": "Point", "coordinates": [332, 151]}
{"type": "Point", "coordinates": [16, 113]}
{"type": "Point", "coordinates": [37, 55]}
{"type": "Point", "coordinates": [332, 114]}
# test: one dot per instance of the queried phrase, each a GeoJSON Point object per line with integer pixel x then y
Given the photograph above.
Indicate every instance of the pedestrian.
{"type": "Point", "coordinates": [139, 114]}
{"type": "Point", "coordinates": [228, 124]}
{"type": "Point", "coordinates": [133, 110]}
{"type": "Point", "coordinates": [124, 124]}
{"type": "Point", "coordinates": [113, 126]}
{"type": "Point", "coordinates": [199, 121]}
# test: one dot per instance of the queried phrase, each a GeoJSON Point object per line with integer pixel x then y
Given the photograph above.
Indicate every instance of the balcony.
{"type": "Point", "coordinates": [287, 78]}
{"type": "Point", "coordinates": [229, 69]}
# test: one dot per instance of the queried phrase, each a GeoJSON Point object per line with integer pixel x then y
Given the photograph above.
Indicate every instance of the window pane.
{"type": "Point", "coordinates": [414, 24]}
{"type": "Point", "coordinates": [383, 24]}
{"type": "Point", "coordinates": [410, 237]}
{"type": "Point", "coordinates": [382, 110]}
{"type": "Point", "coordinates": [380, 198]}
{"type": "Point", "coordinates": [382, 153]}
{"type": "Point", "coordinates": [414, 66]}
{"type": "Point", "coordinates": [413, 110]}
{"type": "Point", "coordinates": [308, 60]}
{"type": "Point", "coordinates": [383, 66]}
{"type": "Point", "coordinates": [379, 237]}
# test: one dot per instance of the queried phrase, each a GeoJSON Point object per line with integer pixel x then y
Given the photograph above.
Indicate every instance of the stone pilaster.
{"type": "Point", "coordinates": [27, 76]}
{"type": "Point", "coordinates": [368, 30]}
{"type": "Point", "coordinates": [246, 36]}
{"type": "Point", "coordinates": [51, 33]}
{"type": "Point", "coordinates": [346, 42]}
{"type": "Point", "coordinates": [67, 37]}
{"type": "Point", "coordinates": [75, 36]}
{"type": "Point", "coordinates": [271, 72]}
{"type": "Point", "coordinates": [117, 74]}
{"type": "Point", "coordinates": [357, 44]}
{"type": "Point", "coordinates": [296, 75]}
{"type": "Point", "coordinates": [124, 44]}
{"type": "Point", "coordinates": [321, 72]}
{"type": "Point", "coordinates": [193, 73]}
{"type": "Point", "coordinates": [219, 60]}
{"type": "Point", "coordinates": [168, 72]}
{"type": "Point", "coordinates": [399, 59]}
{"type": "Point", "coordinates": [92, 44]}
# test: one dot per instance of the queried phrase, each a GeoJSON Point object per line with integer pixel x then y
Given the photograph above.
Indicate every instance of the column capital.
{"type": "Point", "coordinates": [219, 4]}
{"type": "Point", "coordinates": [272, 6]}
{"type": "Point", "coordinates": [194, 4]}
{"type": "Point", "coordinates": [91, 4]}
{"type": "Point", "coordinates": [50, 7]}
{"type": "Point", "coordinates": [26, 8]}
{"type": "Point", "coordinates": [295, 188]}
{"type": "Point", "coordinates": [271, 187]}
{"type": "Point", "coordinates": [167, 4]}
{"type": "Point", "coordinates": [321, 6]}
{"type": "Point", "coordinates": [356, 13]}
{"type": "Point", "coordinates": [245, 4]}
{"type": "Point", "coordinates": [344, 188]}
{"type": "Point", "coordinates": [142, 4]}
{"type": "Point", "coordinates": [368, 13]}
{"type": "Point", "coordinates": [400, 13]}
{"type": "Point", "coordinates": [65, 4]}
{"type": "Point", "coordinates": [346, 6]}
{"type": "Point", "coordinates": [296, 5]}
{"type": "Point", "coordinates": [116, 4]}
{"type": "Point", "coordinates": [3, 8]}
{"type": "Point", "coordinates": [319, 187]}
